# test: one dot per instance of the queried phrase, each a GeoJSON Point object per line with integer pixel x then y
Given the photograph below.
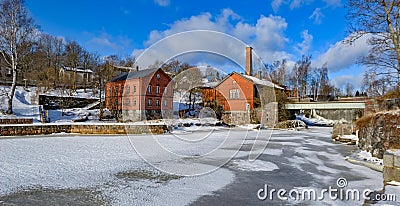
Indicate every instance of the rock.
{"type": "Point", "coordinates": [290, 124]}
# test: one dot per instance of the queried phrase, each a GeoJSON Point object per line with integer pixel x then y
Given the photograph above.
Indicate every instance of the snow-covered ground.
{"type": "Point", "coordinates": [110, 164]}
{"type": "Point", "coordinates": [23, 106]}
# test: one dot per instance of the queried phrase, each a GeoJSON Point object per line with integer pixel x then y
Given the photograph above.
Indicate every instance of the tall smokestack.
{"type": "Point", "coordinates": [249, 60]}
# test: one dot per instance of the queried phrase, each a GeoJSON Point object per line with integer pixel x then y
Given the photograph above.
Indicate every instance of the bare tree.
{"type": "Point", "coordinates": [380, 20]}
{"type": "Point", "coordinates": [16, 32]}
{"type": "Point", "coordinates": [188, 82]}
{"type": "Point", "coordinates": [277, 71]}
{"type": "Point", "coordinates": [349, 88]}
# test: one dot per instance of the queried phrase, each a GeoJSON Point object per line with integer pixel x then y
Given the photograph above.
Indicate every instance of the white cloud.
{"type": "Point", "coordinates": [317, 15]}
{"type": "Point", "coordinates": [276, 4]}
{"type": "Point", "coordinates": [304, 47]}
{"type": "Point", "coordinates": [296, 4]}
{"type": "Point", "coordinates": [341, 56]}
{"type": "Point", "coordinates": [342, 80]}
{"type": "Point", "coordinates": [267, 35]}
{"type": "Point", "coordinates": [162, 2]}
{"type": "Point", "coordinates": [333, 3]}
{"type": "Point", "coordinates": [106, 43]}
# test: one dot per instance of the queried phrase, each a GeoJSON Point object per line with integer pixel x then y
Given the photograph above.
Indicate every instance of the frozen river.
{"type": "Point", "coordinates": [202, 168]}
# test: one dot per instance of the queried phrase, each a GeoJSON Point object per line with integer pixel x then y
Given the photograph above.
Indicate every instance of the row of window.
{"type": "Point", "coordinates": [128, 102]}
{"type": "Point", "coordinates": [150, 102]}
{"type": "Point", "coordinates": [158, 89]}
{"type": "Point", "coordinates": [128, 89]}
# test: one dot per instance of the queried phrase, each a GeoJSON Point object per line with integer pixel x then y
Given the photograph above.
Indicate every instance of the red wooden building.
{"type": "Point", "coordinates": [140, 94]}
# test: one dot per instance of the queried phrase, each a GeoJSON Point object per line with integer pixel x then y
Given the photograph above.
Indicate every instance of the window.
{"type": "Point", "coordinates": [128, 89]}
{"type": "Point", "coordinates": [149, 89]}
{"type": "Point", "coordinates": [157, 89]}
{"type": "Point", "coordinates": [134, 102]}
{"type": "Point", "coordinates": [150, 102]}
{"type": "Point", "coordinates": [247, 106]}
{"type": "Point", "coordinates": [110, 102]}
{"type": "Point", "coordinates": [134, 88]}
{"type": "Point", "coordinates": [234, 94]}
{"type": "Point", "coordinates": [157, 102]}
{"type": "Point", "coordinates": [127, 102]}
{"type": "Point", "coordinates": [233, 82]}
{"type": "Point", "coordinates": [111, 91]}
{"type": "Point", "coordinates": [165, 102]}
{"type": "Point", "coordinates": [158, 76]}
{"type": "Point", "coordinates": [116, 90]}
{"type": "Point", "coordinates": [165, 89]}
{"type": "Point", "coordinates": [116, 104]}
{"type": "Point", "coordinates": [122, 90]}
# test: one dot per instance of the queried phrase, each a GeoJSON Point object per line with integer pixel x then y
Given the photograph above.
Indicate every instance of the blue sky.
{"type": "Point", "coordinates": [275, 29]}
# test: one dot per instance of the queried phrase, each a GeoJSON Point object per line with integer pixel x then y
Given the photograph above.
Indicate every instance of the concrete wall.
{"type": "Point", "coordinates": [21, 130]}
{"type": "Point", "coordinates": [338, 114]}
{"type": "Point", "coordinates": [391, 169]}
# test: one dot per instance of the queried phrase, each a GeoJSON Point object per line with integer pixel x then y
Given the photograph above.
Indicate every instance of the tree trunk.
{"type": "Point", "coordinates": [12, 92]}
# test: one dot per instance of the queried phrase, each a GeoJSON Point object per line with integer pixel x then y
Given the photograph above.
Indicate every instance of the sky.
{"type": "Point", "coordinates": [276, 29]}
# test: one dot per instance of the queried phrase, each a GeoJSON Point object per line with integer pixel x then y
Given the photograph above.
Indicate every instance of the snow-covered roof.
{"type": "Point", "coordinates": [134, 74]}
{"type": "Point", "coordinates": [258, 81]}
{"type": "Point", "coordinates": [78, 70]}
{"type": "Point", "coordinates": [210, 84]}
{"type": "Point", "coordinates": [255, 80]}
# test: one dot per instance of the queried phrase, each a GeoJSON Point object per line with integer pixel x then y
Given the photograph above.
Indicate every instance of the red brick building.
{"type": "Point", "coordinates": [139, 95]}
{"type": "Point", "coordinates": [244, 98]}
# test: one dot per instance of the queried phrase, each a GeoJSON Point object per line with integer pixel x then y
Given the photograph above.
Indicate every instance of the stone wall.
{"type": "Point", "coordinates": [379, 132]}
{"type": "Point", "coordinates": [16, 121]}
{"type": "Point", "coordinates": [267, 116]}
{"type": "Point", "coordinates": [391, 169]}
{"type": "Point", "coordinates": [343, 129]}
{"type": "Point", "coordinates": [59, 102]}
{"type": "Point", "coordinates": [20, 130]}
{"type": "Point", "coordinates": [236, 117]}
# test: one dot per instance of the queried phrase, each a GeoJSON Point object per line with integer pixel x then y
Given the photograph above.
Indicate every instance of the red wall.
{"type": "Point", "coordinates": [246, 88]}
{"type": "Point", "coordinates": [141, 95]}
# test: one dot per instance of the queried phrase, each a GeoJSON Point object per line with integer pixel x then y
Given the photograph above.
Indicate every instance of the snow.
{"type": "Point", "coordinates": [366, 156]}
{"type": "Point", "coordinates": [63, 161]}
{"type": "Point", "coordinates": [93, 162]}
{"type": "Point", "coordinates": [255, 166]}
{"type": "Point", "coordinates": [349, 137]}
{"type": "Point", "coordinates": [23, 107]}
{"type": "Point", "coordinates": [315, 121]}
{"type": "Point", "coordinates": [21, 104]}
{"type": "Point", "coordinates": [262, 82]}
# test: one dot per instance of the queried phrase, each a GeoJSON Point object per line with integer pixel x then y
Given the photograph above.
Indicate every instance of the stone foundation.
{"type": "Point", "coordinates": [236, 117]}
{"type": "Point", "coordinates": [343, 129]}
{"type": "Point", "coordinates": [16, 121]}
{"type": "Point", "coordinates": [379, 132]}
{"type": "Point", "coordinates": [267, 116]}
{"type": "Point", "coordinates": [20, 130]}
{"type": "Point", "coordinates": [391, 169]}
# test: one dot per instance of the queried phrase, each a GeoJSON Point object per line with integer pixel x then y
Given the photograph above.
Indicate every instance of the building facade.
{"type": "Point", "coordinates": [244, 98]}
{"type": "Point", "coordinates": [140, 95]}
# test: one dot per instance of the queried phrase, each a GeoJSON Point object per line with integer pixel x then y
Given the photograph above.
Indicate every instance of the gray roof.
{"type": "Point", "coordinates": [133, 75]}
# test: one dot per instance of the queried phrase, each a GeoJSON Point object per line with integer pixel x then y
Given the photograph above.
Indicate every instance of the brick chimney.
{"type": "Point", "coordinates": [249, 60]}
